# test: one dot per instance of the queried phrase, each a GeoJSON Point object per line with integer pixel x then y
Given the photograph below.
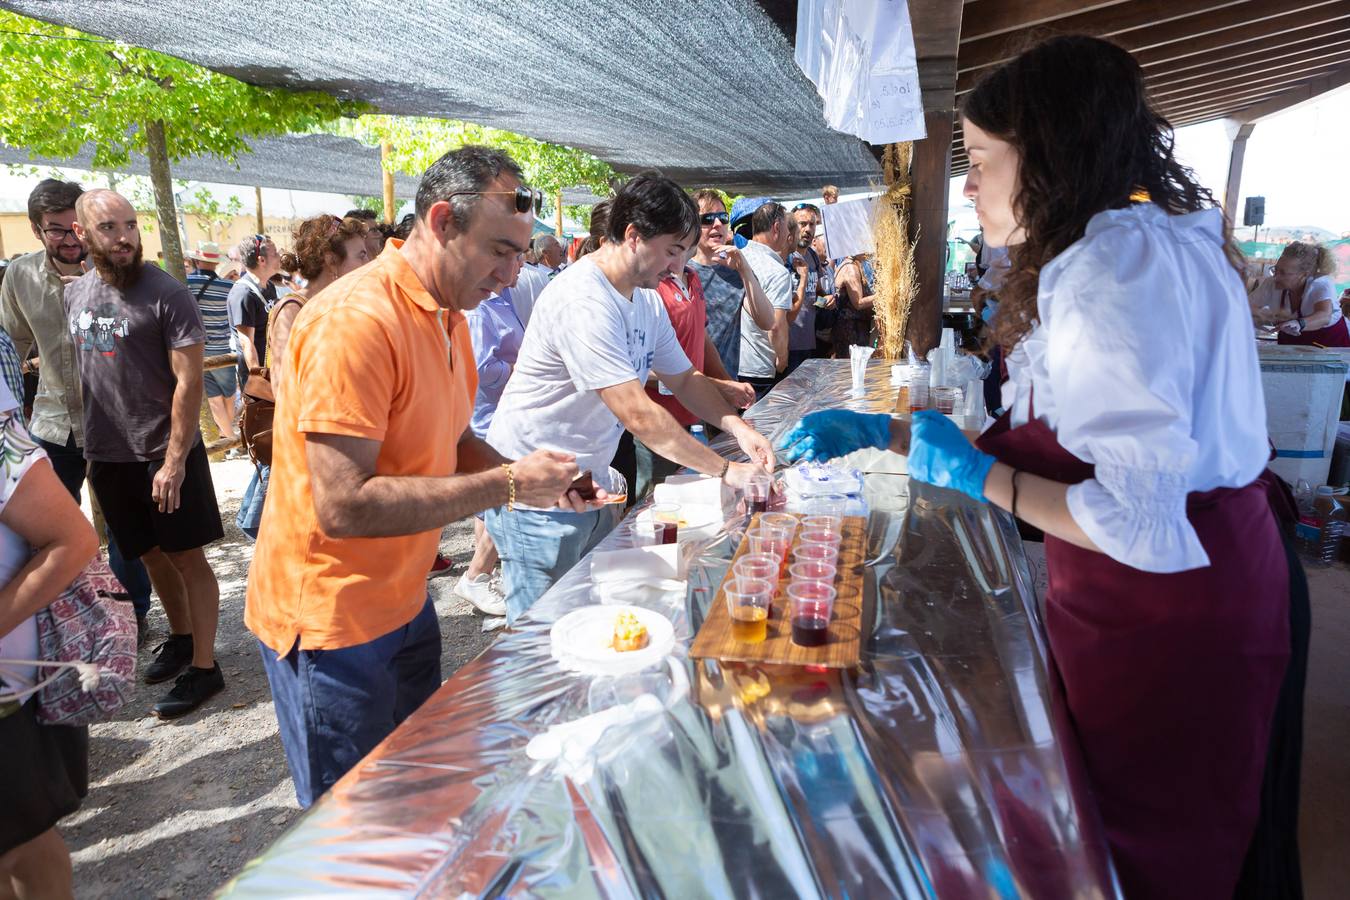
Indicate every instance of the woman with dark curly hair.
{"type": "Point", "coordinates": [1130, 440]}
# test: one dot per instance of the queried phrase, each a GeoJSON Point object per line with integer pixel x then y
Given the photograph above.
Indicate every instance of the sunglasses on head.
{"type": "Point", "coordinates": [708, 218]}
{"type": "Point", "coordinates": [801, 206]}
{"type": "Point", "coordinates": [526, 198]}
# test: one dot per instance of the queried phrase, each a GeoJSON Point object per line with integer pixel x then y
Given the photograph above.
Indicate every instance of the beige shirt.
{"type": "Point", "coordinates": [33, 311]}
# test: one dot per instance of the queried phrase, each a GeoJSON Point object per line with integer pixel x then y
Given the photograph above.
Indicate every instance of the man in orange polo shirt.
{"type": "Point", "coordinates": [372, 456]}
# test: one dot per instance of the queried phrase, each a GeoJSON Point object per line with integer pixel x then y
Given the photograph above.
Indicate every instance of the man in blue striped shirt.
{"type": "Point", "coordinates": [212, 292]}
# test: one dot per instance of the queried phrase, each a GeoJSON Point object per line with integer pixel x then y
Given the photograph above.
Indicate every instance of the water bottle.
{"type": "Point", "coordinates": [699, 434]}
{"type": "Point", "coordinates": [1329, 507]}
{"type": "Point", "coordinates": [1307, 532]}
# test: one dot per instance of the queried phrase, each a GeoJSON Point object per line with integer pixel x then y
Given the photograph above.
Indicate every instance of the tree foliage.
{"type": "Point", "coordinates": [416, 143]}
{"type": "Point", "coordinates": [61, 89]}
{"type": "Point", "coordinates": [210, 213]}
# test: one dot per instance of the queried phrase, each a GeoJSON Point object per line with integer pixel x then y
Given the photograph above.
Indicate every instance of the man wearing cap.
{"type": "Point", "coordinates": [213, 293]}
{"type": "Point", "coordinates": [767, 231]}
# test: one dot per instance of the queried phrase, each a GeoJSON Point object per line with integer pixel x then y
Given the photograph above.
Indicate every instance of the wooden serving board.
{"type": "Point", "coordinates": [843, 647]}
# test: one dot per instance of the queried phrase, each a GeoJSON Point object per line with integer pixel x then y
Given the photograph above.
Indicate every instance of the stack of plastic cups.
{"type": "Point", "coordinates": [858, 357]}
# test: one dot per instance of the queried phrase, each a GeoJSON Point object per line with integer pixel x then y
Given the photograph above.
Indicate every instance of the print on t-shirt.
{"type": "Point", "coordinates": [98, 330]}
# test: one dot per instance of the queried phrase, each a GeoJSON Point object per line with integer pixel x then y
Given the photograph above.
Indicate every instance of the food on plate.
{"type": "Point", "coordinates": [629, 633]}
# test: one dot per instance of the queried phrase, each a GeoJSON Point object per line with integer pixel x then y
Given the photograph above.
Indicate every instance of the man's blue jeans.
{"type": "Point", "coordinates": [249, 517]}
{"type": "Point", "coordinates": [537, 548]}
{"type": "Point", "coordinates": [334, 706]}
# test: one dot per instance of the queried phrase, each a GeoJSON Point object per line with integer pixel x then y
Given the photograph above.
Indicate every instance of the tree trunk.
{"type": "Point", "coordinates": [157, 151]}
{"type": "Point", "coordinates": [387, 178]}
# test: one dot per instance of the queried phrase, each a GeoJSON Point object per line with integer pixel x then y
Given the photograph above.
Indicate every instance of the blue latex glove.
{"type": "Point", "coordinates": [835, 432]}
{"type": "Point", "coordinates": [940, 454]}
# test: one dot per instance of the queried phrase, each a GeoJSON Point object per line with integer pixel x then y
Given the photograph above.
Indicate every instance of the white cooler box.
{"type": "Point", "coordinates": [1303, 387]}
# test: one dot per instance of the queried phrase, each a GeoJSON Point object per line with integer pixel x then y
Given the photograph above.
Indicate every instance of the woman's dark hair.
{"type": "Point", "coordinates": [315, 238]}
{"type": "Point", "coordinates": [654, 205]}
{"type": "Point", "coordinates": [1076, 110]}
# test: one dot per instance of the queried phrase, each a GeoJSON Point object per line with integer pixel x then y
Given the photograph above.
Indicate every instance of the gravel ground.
{"type": "Point", "coordinates": [176, 808]}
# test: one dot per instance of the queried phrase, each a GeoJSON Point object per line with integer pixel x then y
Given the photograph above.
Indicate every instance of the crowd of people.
{"type": "Point", "coordinates": [648, 335]}
{"type": "Point", "coordinates": [461, 365]}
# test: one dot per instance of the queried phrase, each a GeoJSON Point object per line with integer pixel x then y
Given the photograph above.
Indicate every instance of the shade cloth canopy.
{"type": "Point", "coordinates": [299, 162]}
{"type": "Point", "coordinates": [708, 93]}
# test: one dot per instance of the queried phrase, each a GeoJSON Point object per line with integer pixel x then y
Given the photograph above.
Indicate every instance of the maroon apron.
{"type": "Point", "coordinates": [1337, 335]}
{"type": "Point", "coordinates": [1332, 336]}
{"type": "Point", "coordinates": [1170, 680]}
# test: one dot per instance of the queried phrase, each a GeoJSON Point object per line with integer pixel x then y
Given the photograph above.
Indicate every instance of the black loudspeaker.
{"type": "Point", "coordinates": [1254, 213]}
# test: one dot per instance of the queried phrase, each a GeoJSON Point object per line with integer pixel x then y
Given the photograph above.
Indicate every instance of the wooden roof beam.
{"type": "Point", "coordinates": [1310, 90]}
{"type": "Point", "coordinates": [1260, 54]}
{"type": "Point", "coordinates": [1180, 21]}
{"type": "Point", "coordinates": [979, 23]}
{"type": "Point", "coordinates": [1264, 35]}
{"type": "Point", "coordinates": [1219, 87]}
{"type": "Point", "coordinates": [1305, 62]}
{"type": "Point", "coordinates": [1103, 21]}
{"type": "Point", "coordinates": [1225, 104]}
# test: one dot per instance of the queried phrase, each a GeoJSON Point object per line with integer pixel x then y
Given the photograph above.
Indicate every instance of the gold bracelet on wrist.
{"type": "Point", "coordinates": [510, 488]}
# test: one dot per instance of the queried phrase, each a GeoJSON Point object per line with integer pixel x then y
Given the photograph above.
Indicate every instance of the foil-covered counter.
{"type": "Point", "coordinates": [942, 767]}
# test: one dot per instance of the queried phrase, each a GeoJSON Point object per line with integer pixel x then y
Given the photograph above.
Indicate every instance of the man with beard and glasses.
{"type": "Point", "coordinates": [32, 310]}
{"type": "Point", "coordinates": [139, 344]}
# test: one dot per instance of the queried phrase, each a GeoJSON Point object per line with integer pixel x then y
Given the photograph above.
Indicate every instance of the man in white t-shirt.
{"type": "Point", "coordinates": [600, 330]}
{"type": "Point", "coordinates": [765, 353]}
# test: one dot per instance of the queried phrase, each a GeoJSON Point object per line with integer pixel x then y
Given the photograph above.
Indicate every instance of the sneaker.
{"type": "Point", "coordinates": [170, 658]}
{"type": "Point", "coordinates": [236, 453]}
{"type": "Point", "coordinates": [193, 688]}
{"type": "Point", "coordinates": [441, 566]}
{"type": "Point", "coordinates": [478, 591]}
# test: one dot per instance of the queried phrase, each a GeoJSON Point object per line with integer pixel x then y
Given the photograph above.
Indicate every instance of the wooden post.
{"type": "Point", "coordinates": [258, 210]}
{"type": "Point", "coordinates": [388, 183]}
{"type": "Point", "coordinates": [937, 36]}
{"type": "Point", "coordinates": [932, 171]}
{"type": "Point", "coordinates": [560, 220]}
{"type": "Point", "coordinates": [1238, 132]}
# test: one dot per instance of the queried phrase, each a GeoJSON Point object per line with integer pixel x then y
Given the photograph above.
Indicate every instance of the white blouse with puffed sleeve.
{"type": "Point", "coordinates": [1144, 364]}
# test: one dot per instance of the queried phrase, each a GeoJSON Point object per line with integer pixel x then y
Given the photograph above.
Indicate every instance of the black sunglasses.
{"type": "Point", "coordinates": [709, 218]}
{"type": "Point", "coordinates": [526, 198]}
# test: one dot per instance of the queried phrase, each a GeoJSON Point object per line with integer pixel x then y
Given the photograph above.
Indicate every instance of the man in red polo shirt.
{"type": "Point", "coordinates": [682, 294]}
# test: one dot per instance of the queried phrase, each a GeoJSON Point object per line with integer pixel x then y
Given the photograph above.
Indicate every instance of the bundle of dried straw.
{"type": "Point", "coordinates": [897, 279]}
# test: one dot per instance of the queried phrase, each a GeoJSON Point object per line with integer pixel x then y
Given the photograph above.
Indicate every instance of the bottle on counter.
{"type": "Point", "coordinates": [1307, 531]}
{"type": "Point", "coordinates": [1331, 512]}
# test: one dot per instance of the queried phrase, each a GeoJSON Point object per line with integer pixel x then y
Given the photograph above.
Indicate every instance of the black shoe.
{"type": "Point", "coordinates": [190, 691]}
{"type": "Point", "coordinates": [170, 658]}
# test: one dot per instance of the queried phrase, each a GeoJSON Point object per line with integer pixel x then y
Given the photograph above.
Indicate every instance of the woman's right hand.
{"type": "Point", "coordinates": [830, 433]}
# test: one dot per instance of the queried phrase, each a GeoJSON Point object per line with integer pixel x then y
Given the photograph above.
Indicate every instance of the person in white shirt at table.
{"type": "Point", "coordinates": [1300, 298]}
{"type": "Point", "coordinates": [600, 330]}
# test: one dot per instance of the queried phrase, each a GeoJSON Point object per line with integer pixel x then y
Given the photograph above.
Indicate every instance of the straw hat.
{"type": "Point", "coordinates": [207, 251]}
